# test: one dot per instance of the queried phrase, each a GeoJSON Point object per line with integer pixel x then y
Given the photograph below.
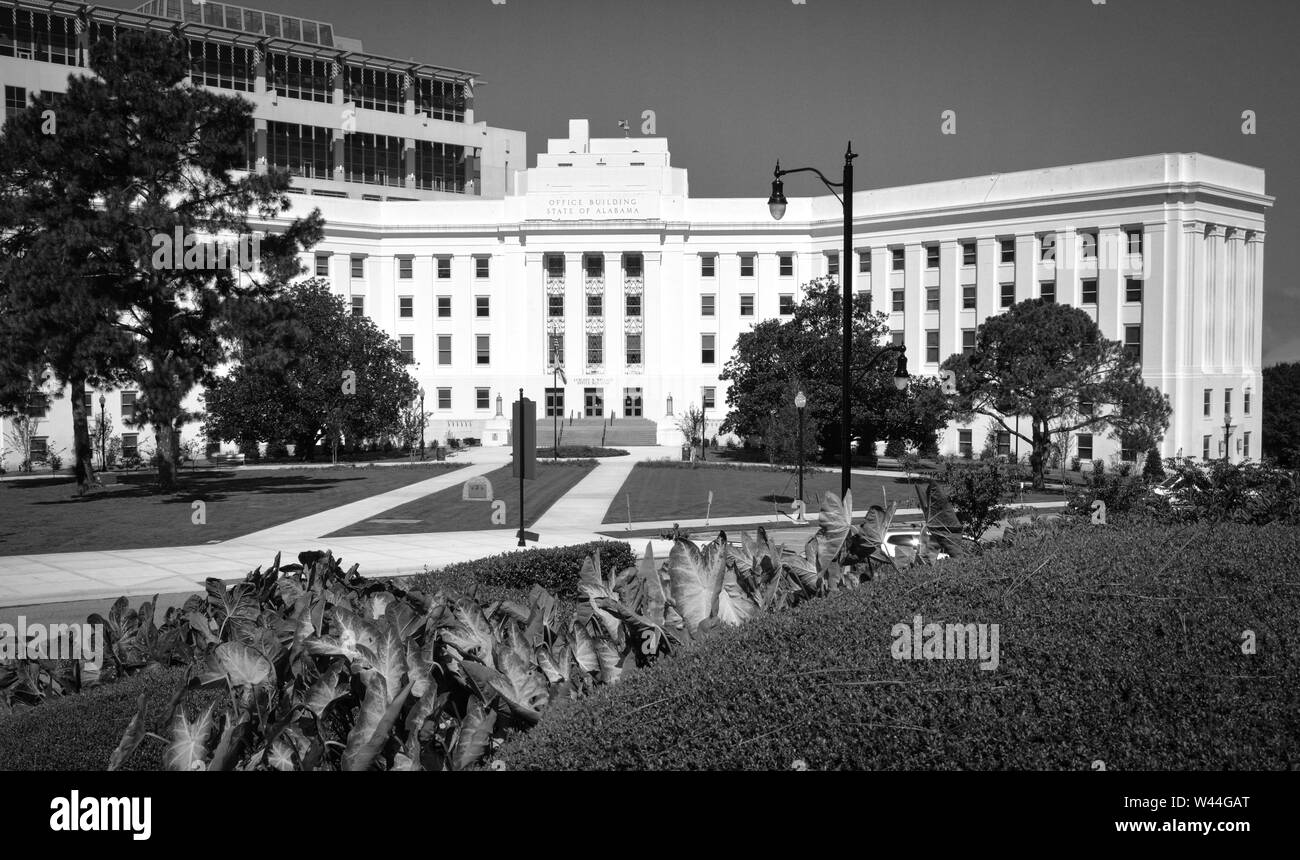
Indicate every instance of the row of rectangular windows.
{"type": "Point", "coordinates": [1088, 243]}
{"type": "Point", "coordinates": [1227, 402]}
{"type": "Point", "coordinates": [1084, 442]}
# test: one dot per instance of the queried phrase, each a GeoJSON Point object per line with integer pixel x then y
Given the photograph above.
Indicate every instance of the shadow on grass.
{"type": "Point", "coordinates": [212, 488]}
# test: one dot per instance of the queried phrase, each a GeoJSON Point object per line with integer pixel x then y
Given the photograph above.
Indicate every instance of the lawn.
{"type": "Point", "coordinates": [678, 492]}
{"type": "Point", "coordinates": [41, 515]}
{"type": "Point", "coordinates": [446, 511]}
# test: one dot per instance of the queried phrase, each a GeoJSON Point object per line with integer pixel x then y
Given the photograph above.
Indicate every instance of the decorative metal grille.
{"type": "Point", "coordinates": [595, 285]}
{"type": "Point", "coordinates": [555, 286]}
{"type": "Point", "coordinates": [634, 285]}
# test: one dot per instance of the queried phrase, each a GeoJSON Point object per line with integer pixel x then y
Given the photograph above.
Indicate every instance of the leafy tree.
{"type": "Point", "coordinates": [778, 358]}
{"type": "Point", "coordinates": [1281, 418]}
{"type": "Point", "coordinates": [313, 372]}
{"type": "Point", "coordinates": [1153, 469]}
{"type": "Point", "coordinates": [137, 160]}
{"type": "Point", "coordinates": [1045, 361]}
{"type": "Point", "coordinates": [976, 493]}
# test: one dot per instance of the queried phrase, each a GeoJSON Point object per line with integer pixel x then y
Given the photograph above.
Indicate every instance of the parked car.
{"type": "Point", "coordinates": [911, 539]}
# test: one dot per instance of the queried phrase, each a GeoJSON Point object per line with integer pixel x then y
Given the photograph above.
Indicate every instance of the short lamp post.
{"type": "Point", "coordinates": [103, 433]}
{"type": "Point", "coordinates": [422, 419]}
{"type": "Point", "coordinates": [1227, 436]}
{"type": "Point", "coordinates": [799, 403]}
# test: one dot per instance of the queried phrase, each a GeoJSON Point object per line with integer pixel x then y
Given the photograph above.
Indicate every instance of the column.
{"type": "Point", "coordinates": [1238, 312]}
{"type": "Point", "coordinates": [1026, 266]}
{"type": "Point", "coordinates": [1215, 274]}
{"type": "Point", "coordinates": [987, 290]}
{"type": "Point", "coordinates": [949, 299]}
{"type": "Point", "coordinates": [914, 305]}
{"type": "Point", "coordinates": [1111, 254]}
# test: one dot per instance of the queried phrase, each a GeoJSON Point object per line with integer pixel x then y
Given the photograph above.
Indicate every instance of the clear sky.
{"type": "Point", "coordinates": [736, 83]}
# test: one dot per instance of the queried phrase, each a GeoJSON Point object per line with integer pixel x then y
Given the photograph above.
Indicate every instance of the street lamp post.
{"type": "Point", "coordinates": [102, 433]}
{"type": "Point", "coordinates": [776, 204]}
{"type": "Point", "coordinates": [799, 403]}
{"type": "Point", "coordinates": [421, 422]}
{"type": "Point", "coordinates": [1227, 435]}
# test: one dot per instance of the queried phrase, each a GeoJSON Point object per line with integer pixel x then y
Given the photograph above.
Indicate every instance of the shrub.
{"type": "Point", "coordinates": [1125, 469]}
{"type": "Point", "coordinates": [1089, 669]}
{"type": "Point", "coordinates": [1120, 495]}
{"type": "Point", "coordinates": [895, 448]}
{"type": "Point", "coordinates": [1075, 465]}
{"type": "Point", "coordinates": [1153, 470]}
{"type": "Point", "coordinates": [1099, 467]}
{"type": "Point", "coordinates": [580, 451]}
{"type": "Point", "coordinates": [976, 493]}
{"type": "Point", "coordinates": [553, 568]}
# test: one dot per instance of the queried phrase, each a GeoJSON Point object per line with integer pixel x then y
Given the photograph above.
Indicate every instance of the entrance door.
{"type": "Point", "coordinates": [631, 403]}
{"type": "Point", "coordinates": [594, 402]}
{"type": "Point", "coordinates": [554, 402]}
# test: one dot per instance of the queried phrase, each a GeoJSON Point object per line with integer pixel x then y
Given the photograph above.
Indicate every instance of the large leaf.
{"type": "Point", "coordinates": [470, 634]}
{"type": "Point", "coordinates": [541, 615]}
{"type": "Point", "coordinates": [289, 750]}
{"type": "Point", "coordinates": [131, 738]}
{"type": "Point", "coordinates": [387, 657]}
{"type": "Point", "coordinates": [236, 664]}
{"type": "Point", "coordinates": [836, 526]}
{"type": "Point", "coordinates": [696, 578]}
{"type": "Point", "coordinates": [591, 581]}
{"type": "Point", "coordinates": [324, 691]}
{"type": "Point", "coordinates": [473, 736]}
{"type": "Point", "coordinates": [233, 610]}
{"type": "Point", "coordinates": [522, 689]}
{"type": "Point", "coordinates": [374, 722]}
{"type": "Point", "coordinates": [189, 745]}
{"type": "Point", "coordinates": [734, 606]}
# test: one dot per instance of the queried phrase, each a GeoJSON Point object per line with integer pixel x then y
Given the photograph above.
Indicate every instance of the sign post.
{"type": "Point", "coordinates": [524, 415]}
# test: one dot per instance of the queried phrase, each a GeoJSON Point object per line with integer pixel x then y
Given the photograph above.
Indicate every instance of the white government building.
{"type": "Point", "coordinates": [478, 267]}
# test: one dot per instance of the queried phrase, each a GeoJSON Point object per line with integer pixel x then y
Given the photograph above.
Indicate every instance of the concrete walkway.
{"type": "Point", "coordinates": [30, 580]}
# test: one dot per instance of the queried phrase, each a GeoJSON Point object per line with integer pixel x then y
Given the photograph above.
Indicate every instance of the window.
{"type": "Point", "coordinates": [482, 398]}
{"type": "Point", "coordinates": [408, 348]}
{"type": "Point", "coordinates": [128, 406]}
{"type": "Point", "coordinates": [554, 266]}
{"type": "Point", "coordinates": [554, 402]}
{"type": "Point", "coordinates": [482, 349]}
{"type": "Point", "coordinates": [896, 259]}
{"type": "Point", "coordinates": [444, 307]}
{"type": "Point", "coordinates": [896, 301]}
{"type": "Point", "coordinates": [632, 305]}
{"type": "Point", "coordinates": [441, 167]}
{"type": "Point", "coordinates": [1004, 443]}
{"type": "Point", "coordinates": [832, 264]}
{"type": "Point", "coordinates": [294, 77]}
{"type": "Point", "coordinates": [1007, 250]}
{"type": "Point", "coordinates": [932, 298]}
{"type": "Point", "coordinates": [1133, 290]}
{"type": "Point", "coordinates": [444, 268]}
{"type": "Point", "coordinates": [88, 400]}
{"type": "Point", "coordinates": [482, 267]}
{"type": "Point", "coordinates": [374, 159]}
{"type": "Point", "coordinates": [1089, 291]}
{"type": "Point", "coordinates": [747, 265]}
{"type": "Point", "coordinates": [594, 265]}
{"type": "Point", "coordinates": [632, 348]}
{"type": "Point", "coordinates": [555, 306]}
{"type": "Point", "coordinates": [38, 405]}
{"type": "Point", "coordinates": [595, 349]}
{"type": "Point", "coordinates": [968, 253]}
{"type": "Point", "coordinates": [1245, 444]}
{"type": "Point", "coordinates": [787, 304]}
{"type": "Point", "coordinates": [632, 265]}
{"type": "Point", "coordinates": [1008, 295]}
{"type": "Point", "coordinates": [895, 338]}
{"type": "Point", "coordinates": [1085, 446]}
{"type": "Point", "coordinates": [1127, 452]}
{"type": "Point", "coordinates": [964, 447]}
{"type": "Point", "coordinates": [15, 97]}
{"type": "Point", "coordinates": [595, 305]}
{"type": "Point", "coordinates": [787, 265]}
{"type": "Point", "coordinates": [1245, 402]}
{"type": "Point", "coordinates": [444, 350]}
{"type": "Point", "coordinates": [1134, 241]}
{"type": "Point", "coordinates": [708, 397]}
{"type": "Point", "coordinates": [1047, 291]}
{"type": "Point", "coordinates": [1088, 243]}
{"type": "Point", "coordinates": [968, 297]}
{"type": "Point", "coordinates": [405, 307]}
{"type": "Point", "coordinates": [707, 305]}
{"type": "Point", "coordinates": [1205, 402]}
{"type": "Point", "coordinates": [405, 266]}
{"type": "Point", "coordinates": [370, 88]}
{"type": "Point", "coordinates": [322, 265]}
{"type": "Point", "coordinates": [130, 444]}
{"type": "Point", "coordinates": [1047, 247]}
{"type": "Point", "coordinates": [358, 306]}
{"type": "Point", "coordinates": [707, 350]}
{"type": "Point", "coordinates": [1085, 406]}
{"type": "Point", "coordinates": [932, 256]}
{"type": "Point", "coordinates": [1205, 447]}
{"type": "Point", "coordinates": [708, 266]}
{"type": "Point", "coordinates": [747, 306]}
{"type": "Point", "coordinates": [444, 398]}
{"type": "Point", "coordinates": [1133, 341]}
{"type": "Point", "coordinates": [482, 306]}
{"type": "Point", "coordinates": [1227, 401]}
{"type": "Point", "coordinates": [358, 267]}
{"type": "Point", "coordinates": [967, 341]}
{"type": "Point", "coordinates": [864, 262]}
{"type": "Point", "coordinates": [932, 346]}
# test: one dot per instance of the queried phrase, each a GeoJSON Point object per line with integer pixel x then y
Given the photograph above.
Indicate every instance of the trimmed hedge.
{"type": "Point", "coordinates": [555, 569]}
{"type": "Point", "coordinates": [1118, 646]}
{"type": "Point", "coordinates": [580, 451]}
{"type": "Point", "coordinates": [80, 732]}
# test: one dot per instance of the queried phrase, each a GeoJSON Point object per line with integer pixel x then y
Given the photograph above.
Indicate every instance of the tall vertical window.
{"type": "Point", "coordinates": [1227, 401]}
{"type": "Point", "coordinates": [1089, 286]}
{"type": "Point", "coordinates": [1205, 447]}
{"type": "Point", "coordinates": [1085, 446]}
{"type": "Point", "coordinates": [896, 259]}
{"type": "Point", "coordinates": [1047, 247]}
{"type": "Point", "coordinates": [554, 266]}
{"type": "Point", "coordinates": [897, 300]}
{"type": "Point", "coordinates": [557, 350]}
{"type": "Point", "coordinates": [482, 398]}
{"type": "Point", "coordinates": [1133, 290]}
{"type": "Point", "coordinates": [895, 338]}
{"type": "Point", "coordinates": [1007, 250]}
{"type": "Point", "coordinates": [968, 253]}
{"type": "Point", "coordinates": [444, 398]}
{"type": "Point", "coordinates": [406, 307]}
{"type": "Point", "coordinates": [128, 406]}
{"type": "Point", "coordinates": [708, 397]}
{"type": "Point", "coordinates": [632, 265]}
{"type": "Point", "coordinates": [407, 343]}
{"type": "Point", "coordinates": [1245, 402]}
{"type": "Point", "coordinates": [595, 349]}
{"type": "Point", "coordinates": [932, 256]}
{"type": "Point", "coordinates": [482, 306]}
{"type": "Point", "coordinates": [707, 305]}
{"type": "Point", "coordinates": [747, 265]}
{"type": "Point", "coordinates": [967, 341]}
{"type": "Point", "coordinates": [832, 264]}
{"type": "Point", "coordinates": [968, 297]}
{"type": "Point", "coordinates": [864, 299]}
{"type": "Point", "coordinates": [786, 306]}
{"type": "Point", "coordinates": [708, 266]}
{"type": "Point", "coordinates": [1134, 241]}
{"type": "Point", "coordinates": [322, 265]}
{"type": "Point", "coordinates": [633, 348]}
{"type": "Point", "coordinates": [1205, 402]}
{"type": "Point", "coordinates": [707, 350]}
{"type": "Point", "coordinates": [444, 307]}
{"type": "Point", "coordinates": [932, 346]}
{"type": "Point", "coordinates": [358, 266]}
{"type": "Point", "coordinates": [1133, 341]}
{"type": "Point", "coordinates": [482, 267]}
{"type": "Point", "coordinates": [964, 447]}
{"type": "Point", "coordinates": [1047, 291]}
{"type": "Point", "coordinates": [1088, 246]}
{"type": "Point", "coordinates": [932, 298]}
{"type": "Point", "coordinates": [747, 305]}
{"type": "Point", "coordinates": [1245, 444]}
{"type": "Point", "coordinates": [595, 305]}
{"type": "Point", "coordinates": [632, 305]}
{"type": "Point", "coordinates": [555, 306]}
{"type": "Point", "coordinates": [444, 268]}
{"type": "Point", "coordinates": [358, 306]}
{"type": "Point", "coordinates": [864, 262]}
{"type": "Point", "coordinates": [594, 265]}
{"type": "Point", "coordinates": [786, 262]}
{"type": "Point", "coordinates": [405, 268]}
{"type": "Point", "coordinates": [1008, 295]}
{"type": "Point", "coordinates": [482, 349]}
{"type": "Point", "coordinates": [444, 350]}
{"type": "Point", "coordinates": [1004, 443]}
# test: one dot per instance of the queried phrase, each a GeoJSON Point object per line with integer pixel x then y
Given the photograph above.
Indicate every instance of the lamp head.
{"type": "Point", "coordinates": [800, 401]}
{"type": "Point", "coordinates": [776, 203]}
{"type": "Point", "coordinates": [900, 372]}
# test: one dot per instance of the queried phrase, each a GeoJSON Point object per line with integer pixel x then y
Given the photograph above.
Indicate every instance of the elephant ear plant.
{"type": "Point", "coordinates": [317, 668]}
